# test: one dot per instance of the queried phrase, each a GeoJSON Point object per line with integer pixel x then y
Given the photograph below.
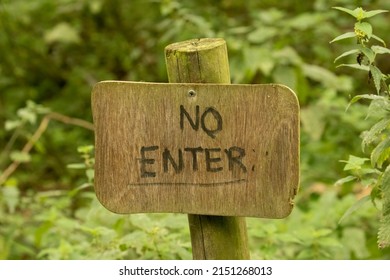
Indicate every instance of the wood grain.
{"type": "Point", "coordinates": [261, 120]}
{"type": "Point", "coordinates": [206, 61]}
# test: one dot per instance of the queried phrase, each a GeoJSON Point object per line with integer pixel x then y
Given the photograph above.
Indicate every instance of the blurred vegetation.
{"type": "Point", "coordinates": [53, 52]}
{"type": "Point", "coordinates": [375, 140]}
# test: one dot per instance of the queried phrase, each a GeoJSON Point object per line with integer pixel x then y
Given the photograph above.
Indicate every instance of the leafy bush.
{"type": "Point", "coordinates": [53, 52]}
{"type": "Point", "coordinates": [376, 138]}
{"type": "Point", "coordinates": [313, 233]}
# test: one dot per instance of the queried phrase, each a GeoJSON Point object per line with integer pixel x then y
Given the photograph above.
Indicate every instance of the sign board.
{"type": "Point", "coordinates": [208, 149]}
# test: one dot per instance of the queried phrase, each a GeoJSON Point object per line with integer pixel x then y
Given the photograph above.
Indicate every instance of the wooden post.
{"type": "Point", "coordinates": [206, 61]}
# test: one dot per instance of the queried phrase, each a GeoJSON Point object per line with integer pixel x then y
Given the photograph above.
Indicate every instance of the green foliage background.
{"type": "Point", "coordinates": [53, 52]}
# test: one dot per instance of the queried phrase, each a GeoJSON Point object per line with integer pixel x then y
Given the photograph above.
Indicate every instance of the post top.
{"type": "Point", "coordinates": [195, 45]}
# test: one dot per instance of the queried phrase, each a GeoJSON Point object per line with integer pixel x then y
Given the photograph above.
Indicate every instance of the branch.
{"type": "Point", "coordinates": [72, 121]}
{"type": "Point", "coordinates": [38, 133]}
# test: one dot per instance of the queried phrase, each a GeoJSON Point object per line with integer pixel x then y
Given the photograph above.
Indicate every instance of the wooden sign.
{"type": "Point", "coordinates": [209, 149]}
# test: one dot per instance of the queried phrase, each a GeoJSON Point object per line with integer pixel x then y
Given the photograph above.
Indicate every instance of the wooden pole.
{"type": "Point", "coordinates": [206, 61]}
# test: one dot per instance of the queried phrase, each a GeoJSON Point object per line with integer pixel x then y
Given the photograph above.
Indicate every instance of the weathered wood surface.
{"type": "Point", "coordinates": [218, 237]}
{"type": "Point", "coordinates": [238, 157]}
{"type": "Point", "coordinates": [206, 61]}
{"type": "Point", "coordinates": [212, 237]}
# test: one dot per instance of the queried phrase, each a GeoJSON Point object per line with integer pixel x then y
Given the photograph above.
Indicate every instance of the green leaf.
{"type": "Point", "coordinates": [355, 51]}
{"type": "Point", "coordinates": [367, 182]}
{"type": "Point", "coordinates": [305, 21]}
{"type": "Point", "coordinates": [20, 156]}
{"type": "Point", "coordinates": [41, 231]}
{"type": "Point", "coordinates": [377, 77]}
{"type": "Point", "coordinates": [75, 191]}
{"type": "Point", "coordinates": [371, 135]}
{"type": "Point", "coordinates": [378, 39]}
{"type": "Point", "coordinates": [265, 65]}
{"type": "Point", "coordinates": [262, 34]}
{"type": "Point", "coordinates": [37, 108]}
{"type": "Point", "coordinates": [354, 163]}
{"type": "Point", "coordinates": [28, 115]}
{"type": "Point", "coordinates": [359, 13]}
{"type": "Point", "coordinates": [353, 13]}
{"type": "Point", "coordinates": [357, 205]}
{"type": "Point", "coordinates": [63, 33]}
{"type": "Point", "coordinates": [344, 36]}
{"type": "Point", "coordinates": [321, 75]}
{"type": "Point", "coordinates": [286, 54]}
{"type": "Point", "coordinates": [368, 53]}
{"type": "Point", "coordinates": [374, 13]}
{"type": "Point", "coordinates": [313, 121]}
{"type": "Point", "coordinates": [381, 153]}
{"type": "Point", "coordinates": [378, 108]}
{"type": "Point", "coordinates": [10, 125]}
{"type": "Point", "coordinates": [354, 238]}
{"type": "Point", "coordinates": [363, 27]}
{"type": "Point", "coordinates": [355, 66]}
{"type": "Point", "coordinates": [11, 196]}
{"type": "Point", "coordinates": [90, 173]}
{"type": "Point", "coordinates": [345, 180]}
{"type": "Point", "coordinates": [380, 50]}
{"type": "Point", "coordinates": [386, 181]}
{"type": "Point", "coordinates": [87, 149]}
{"type": "Point", "coordinates": [375, 194]}
{"type": "Point", "coordinates": [366, 171]}
{"type": "Point", "coordinates": [384, 228]}
{"type": "Point", "coordinates": [321, 232]}
{"type": "Point", "coordinates": [285, 74]}
{"type": "Point", "coordinates": [76, 166]}
{"type": "Point", "coordinates": [365, 96]}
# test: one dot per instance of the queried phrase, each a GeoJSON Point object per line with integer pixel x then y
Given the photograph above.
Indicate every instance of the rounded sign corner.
{"type": "Point", "coordinates": [108, 205]}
